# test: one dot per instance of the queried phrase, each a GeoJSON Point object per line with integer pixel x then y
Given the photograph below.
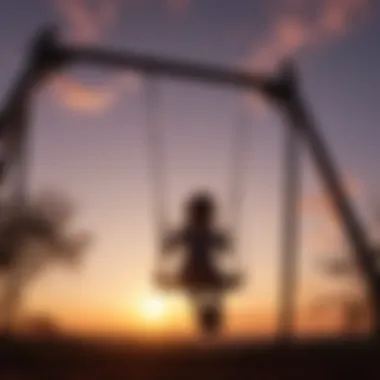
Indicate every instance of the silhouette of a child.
{"type": "Point", "coordinates": [201, 241]}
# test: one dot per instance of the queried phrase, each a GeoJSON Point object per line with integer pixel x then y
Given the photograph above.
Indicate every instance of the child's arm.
{"type": "Point", "coordinates": [172, 241]}
{"type": "Point", "coordinates": [223, 242]}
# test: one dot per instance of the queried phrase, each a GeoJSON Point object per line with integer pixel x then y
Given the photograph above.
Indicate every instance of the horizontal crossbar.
{"type": "Point", "coordinates": [172, 68]}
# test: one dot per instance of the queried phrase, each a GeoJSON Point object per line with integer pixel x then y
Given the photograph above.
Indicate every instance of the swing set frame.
{"type": "Point", "coordinates": [47, 55]}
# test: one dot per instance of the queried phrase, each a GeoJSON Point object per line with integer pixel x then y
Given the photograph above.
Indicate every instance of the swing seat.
{"type": "Point", "coordinates": [225, 282]}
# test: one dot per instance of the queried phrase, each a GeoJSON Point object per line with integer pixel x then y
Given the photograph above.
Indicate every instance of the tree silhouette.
{"type": "Point", "coordinates": [349, 299]}
{"type": "Point", "coordinates": [340, 267]}
{"type": "Point", "coordinates": [33, 237]}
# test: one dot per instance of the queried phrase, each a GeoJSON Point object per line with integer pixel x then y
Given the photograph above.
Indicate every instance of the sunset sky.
{"type": "Point", "coordinates": [88, 141]}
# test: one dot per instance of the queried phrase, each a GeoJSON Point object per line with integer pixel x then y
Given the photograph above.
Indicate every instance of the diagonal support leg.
{"type": "Point", "coordinates": [303, 122]}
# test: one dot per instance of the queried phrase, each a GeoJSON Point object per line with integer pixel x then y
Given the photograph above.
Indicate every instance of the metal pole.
{"type": "Point", "coordinates": [165, 67]}
{"type": "Point", "coordinates": [303, 122]}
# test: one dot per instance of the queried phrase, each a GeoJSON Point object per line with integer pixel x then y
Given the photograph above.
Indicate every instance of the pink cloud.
{"type": "Point", "coordinates": [178, 6]}
{"type": "Point", "coordinates": [74, 95]}
{"type": "Point", "coordinates": [96, 98]}
{"type": "Point", "coordinates": [338, 15]}
{"type": "Point", "coordinates": [87, 22]}
{"type": "Point", "coordinates": [306, 24]}
{"type": "Point", "coordinates": [301, 25]}
{"type": "Point", "coordinates": [289, 36]}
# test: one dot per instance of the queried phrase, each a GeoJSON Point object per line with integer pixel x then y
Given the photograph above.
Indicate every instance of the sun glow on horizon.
{"type": "Point", "coordinates": [153, 308]}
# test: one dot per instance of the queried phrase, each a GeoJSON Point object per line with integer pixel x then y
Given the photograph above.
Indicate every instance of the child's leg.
{"type": "Point", "coordinates": [208, 308]}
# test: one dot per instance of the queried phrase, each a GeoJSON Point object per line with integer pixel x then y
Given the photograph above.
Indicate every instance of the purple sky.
{"type": "Point", "coordinates": [89, 126]}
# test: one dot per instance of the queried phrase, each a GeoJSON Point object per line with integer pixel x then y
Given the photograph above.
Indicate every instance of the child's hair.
{"type": "Point", "coordinates": [201, 209]}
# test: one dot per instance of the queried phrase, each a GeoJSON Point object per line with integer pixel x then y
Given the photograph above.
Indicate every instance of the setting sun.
{"type": "Point", "coordinates": [153, 308]}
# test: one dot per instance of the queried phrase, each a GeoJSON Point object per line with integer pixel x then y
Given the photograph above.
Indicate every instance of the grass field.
{"type": "Point", "coordinates": [69, 359]}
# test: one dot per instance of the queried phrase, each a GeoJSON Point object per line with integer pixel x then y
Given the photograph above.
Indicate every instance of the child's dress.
{"type": "Point", "coordinates": [200, 246]}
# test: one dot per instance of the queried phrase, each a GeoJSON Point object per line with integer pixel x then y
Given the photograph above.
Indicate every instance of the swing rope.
{"type": "Point", "coordinates": [240, 144]}
{"type": "Point", "coordinates": [241, 141]}
{"type": "Point", "coordinates": [156, 159]}
{"type": "Point", "coordinates": [290, 232]}
{"type": "Point", "coordinates": [156, 162]}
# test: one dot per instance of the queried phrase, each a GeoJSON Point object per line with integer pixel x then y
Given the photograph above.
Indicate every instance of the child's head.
{"type": "Point", "coordinates": [201, 209]}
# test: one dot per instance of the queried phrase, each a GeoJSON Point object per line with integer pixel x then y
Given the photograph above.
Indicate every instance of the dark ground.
{"type": "Point", "coordinates": [65, 359]}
